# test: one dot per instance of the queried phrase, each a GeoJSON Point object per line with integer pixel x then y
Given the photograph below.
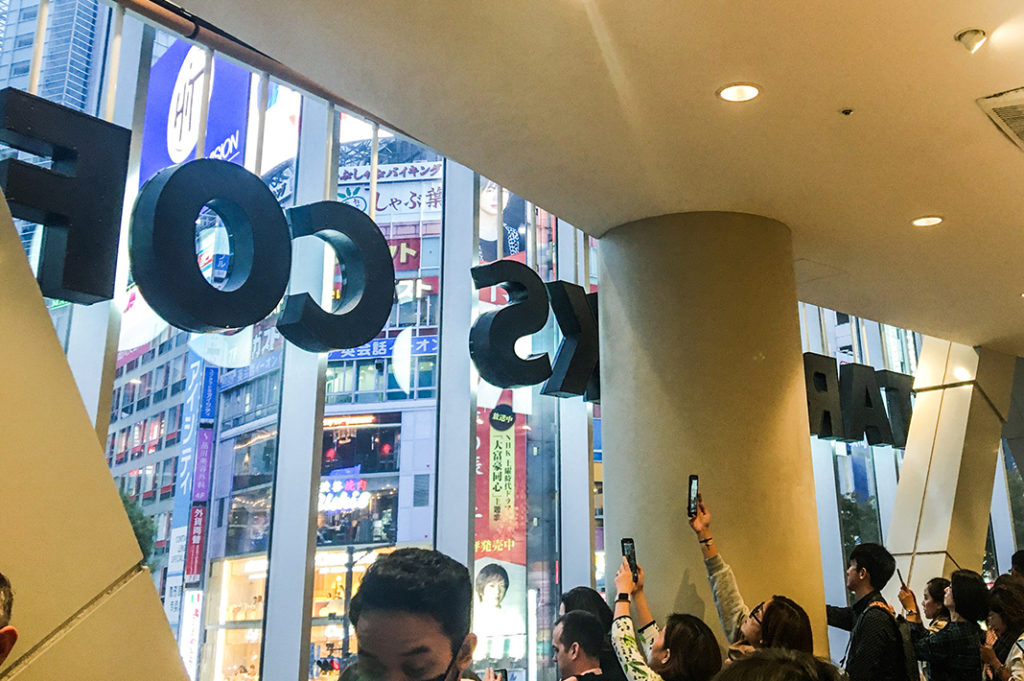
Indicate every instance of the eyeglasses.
{"type": "Point", "coordinates": [756, 613]}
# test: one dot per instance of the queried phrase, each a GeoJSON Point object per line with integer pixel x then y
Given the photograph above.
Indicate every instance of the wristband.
{"type": "Point", "coordinates": [706, 541]}
{"type": "Point", "coordinates": [622, 597]}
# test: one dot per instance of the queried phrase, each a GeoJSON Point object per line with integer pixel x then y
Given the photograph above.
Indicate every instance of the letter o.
{"type": "Point", "coordinates": [163, 254]}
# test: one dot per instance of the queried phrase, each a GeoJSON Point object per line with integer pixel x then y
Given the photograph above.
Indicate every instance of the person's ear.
{"type": "Point", "coordinates": [464, 657]}
{"type": "Point", "coordinates": [574, 651]}
{"type": "Point", "coordinates": [8, 637]}
{"type": "Point", "coordinates": [668, 654]}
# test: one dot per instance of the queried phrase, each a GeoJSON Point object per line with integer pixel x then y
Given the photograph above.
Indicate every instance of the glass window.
{"type": "Point", "coordinates": [255, 455]}
{"type": "Point", "coordinates": [20, 68]}
{"type": "Point", "coordinates": [249, 522]}
{"type": "Point", "coordinates": [24, 40]}
{"type": "Point", "coordinates": [516, 515]}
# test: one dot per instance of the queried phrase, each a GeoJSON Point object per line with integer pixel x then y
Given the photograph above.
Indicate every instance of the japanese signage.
{"type": "Point", "coordinates": [204, 461]}
{"type": "Point", "coordinates": [501, 485]}
{"type": "Point", "coordinates": [500, 547]}
{"type": "Point", "coordinates": [342, 495]}
{"type": "Point", "coordinates": [191, 632]}
{"type": "Point", "coordinates": [208, 407]}
{"type": "Point", "coordinates": [382, 347]}
{"type": "Point", "coordinates": [196, 542]}
{"type": "Point", "coordinates": [405, 253]}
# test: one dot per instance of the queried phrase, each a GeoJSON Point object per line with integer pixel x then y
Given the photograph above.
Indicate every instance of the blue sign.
{"type": "Point", "coordinates": [265, 364]}
{"type": "Point", "coordinates": [208, 408]}
{"type": "Point", "coordinates": [382, 347]}
{"type": "Point", "coordinates": [173, 104]}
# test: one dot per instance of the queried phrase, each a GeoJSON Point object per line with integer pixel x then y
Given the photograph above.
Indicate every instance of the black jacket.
{"type": "Point", "coordinates": [876, 649]}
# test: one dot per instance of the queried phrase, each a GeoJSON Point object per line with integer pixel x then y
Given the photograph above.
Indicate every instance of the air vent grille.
{"type": "Point", "coordinates": [1006, 110]}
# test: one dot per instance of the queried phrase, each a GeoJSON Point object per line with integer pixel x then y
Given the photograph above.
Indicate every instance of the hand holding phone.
{"type": "Point", "coordinates": [500, 675]}
{"type": "Point", "coordinates": [691, 502]}
{"type": "Point", "coordinates": [629, 551]}
{"type": "Point", "coordinates": [900, 575]}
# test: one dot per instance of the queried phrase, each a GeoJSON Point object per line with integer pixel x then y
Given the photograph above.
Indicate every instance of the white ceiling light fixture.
{"type": "Point", "coordinates": [738, 92]}
{"type": "Point", "coordinates": [971, 38]}
{"type": "Point", "coordinates": [926, 221]}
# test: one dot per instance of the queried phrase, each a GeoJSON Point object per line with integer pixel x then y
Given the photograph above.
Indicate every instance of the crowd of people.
{"type": "Point", "coordinates": [407, 628]}
{"type": "Point", "coordinates": [413, 613]}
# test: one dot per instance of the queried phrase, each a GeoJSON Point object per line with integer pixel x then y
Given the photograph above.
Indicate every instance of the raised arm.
{"type": "Point", "coordinates": [732, 611]}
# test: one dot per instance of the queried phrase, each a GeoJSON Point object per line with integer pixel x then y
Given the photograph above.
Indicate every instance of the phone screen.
{"type": "Point", "coordinates": [500, 675]}
{"type": "Point", "coordinates": [691, 504]}
{"type": "Point", "coordinates": [629, 551]}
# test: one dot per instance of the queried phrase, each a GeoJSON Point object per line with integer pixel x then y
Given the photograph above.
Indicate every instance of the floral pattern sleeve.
{"type": "Point", "coordinates": [628, 649]}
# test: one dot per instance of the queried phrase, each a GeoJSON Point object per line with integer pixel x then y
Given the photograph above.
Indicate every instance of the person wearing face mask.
{"type": "Point", "coordinates": [685, 651]}
{"type": "Point", "coordinates": [952, 652]}
{"type": "Point", "coordinates": [1004, 654]}
{"type": "Point", "coordinates": [777, 622]}
{"type": "Point", "coordinates": [412, 618]}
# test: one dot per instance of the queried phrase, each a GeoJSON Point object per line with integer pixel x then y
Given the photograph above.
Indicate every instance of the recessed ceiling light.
{"type": "Point", "coordinates": [738, 92]}
{"type": "Point", "coordinates": [971, 38]}
{"type": "Point", "coordinates": [926, 221]}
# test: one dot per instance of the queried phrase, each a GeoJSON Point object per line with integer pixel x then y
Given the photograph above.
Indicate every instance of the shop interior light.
{"type": "Point", "coordinates": [926, 221]}
{"type": "Point", "coordinates": [961, 374]}
{"type": "Point", "coordinates": [738, 92]}
{"type": "Point", "coordinates": [348, 421]}
{"type": "Point", "coordinates": [971, 38]}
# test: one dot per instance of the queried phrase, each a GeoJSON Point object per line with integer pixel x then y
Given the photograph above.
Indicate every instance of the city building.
{"type": "Point", "coordinates": [276, 476]}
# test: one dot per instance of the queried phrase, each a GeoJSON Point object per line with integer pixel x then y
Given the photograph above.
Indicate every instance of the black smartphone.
{"type": "Point", "coordinates": [500, 675]}
{"type": "Point", "coordinates": [629, 551]}
{"type": "Point", "coordinates": [900, 575]}
{"type": "Point", "coordinates": [691, 502]}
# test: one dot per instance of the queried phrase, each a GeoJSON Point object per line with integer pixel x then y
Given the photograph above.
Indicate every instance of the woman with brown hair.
{"type": "Point", "coordinates": [778, 622]}
{"type": "Point", "coordinates": [685, 651]}
{"type": "Point", "coordinates": [1005, 655]}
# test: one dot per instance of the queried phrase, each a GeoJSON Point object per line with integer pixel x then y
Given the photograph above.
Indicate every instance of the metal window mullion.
{"type": "Point", "coordinates": [37, 47]}
{"type": "Point", "coordinates": [262, 95]}
{"type": "Point", "coordinates": [374, 162]}
{"type": "Point", "coordinates": [204, 103]}
{"type": "Point", "coordinates": [113, 63]}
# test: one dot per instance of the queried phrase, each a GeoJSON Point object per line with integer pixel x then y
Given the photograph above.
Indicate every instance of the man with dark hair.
{"type": "Point", "coordinates": [8, 634]}
{"type": "Point", "coordinates": [411, 617]}
{"type": "Point", "coordinates": [876, 651]}
{"type": "Point", "coordinates": [1017, 563]}
{"type": "Point", "coordinates": [577, 641]}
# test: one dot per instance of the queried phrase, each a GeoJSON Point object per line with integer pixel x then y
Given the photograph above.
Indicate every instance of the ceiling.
{"type": "Point", "coordinates": [604, 112]}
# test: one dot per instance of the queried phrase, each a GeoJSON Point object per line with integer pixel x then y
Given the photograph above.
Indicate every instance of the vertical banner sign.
{"type": "Point", "coordinates": [499, 609]}
{"type": "Point", "coordinates": [204, 460]}
{"type": "Point", "coordinates": [208, 409]}
{"type": "Point", "coordinates": [182, 511]}
{"type": "Point", "coordinates": [204, 437]}
{"type": "Point", "coordinates": [196, 540]}
{"type": "Point", "coordinates": [190, 634]}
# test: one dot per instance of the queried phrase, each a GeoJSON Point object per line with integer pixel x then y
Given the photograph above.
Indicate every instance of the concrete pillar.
{"type": "Point", "coordinates": [81, 593]}
{"type": "Point", "coordinates": [701, 373]}
{"type": "Point", "coordinates": [940, 516]}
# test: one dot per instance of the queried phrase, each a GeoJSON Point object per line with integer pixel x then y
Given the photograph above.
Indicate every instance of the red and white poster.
{"type": "Point", "coordinates": [500, 548]}
{"type": "Point", "coordinates": [194, 547]}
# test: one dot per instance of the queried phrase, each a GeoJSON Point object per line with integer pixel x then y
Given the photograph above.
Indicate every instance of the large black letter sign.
{"type": "Point", "coordinates": [576, 359]}
{"type": "Point", "coordinates": [824, 409]}
{"type": "Point", "coordinates": [863, 411]}
{"type": "Point", "coordinates": [493, 336]}
{"type": "Point", "coordinates": [163, 246]}
{"type": "Point", "coordinates": [898, 388]}
{"type": "Point", "coordinates": [78, 202]}
{"type": "Point", "coordinates": [368, 291]}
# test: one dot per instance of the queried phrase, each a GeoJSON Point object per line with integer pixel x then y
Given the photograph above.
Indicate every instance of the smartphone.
{"type": "Point", "coordinates": [629, 551]}
{"type": "Point", "coordinates": [500, 675]}
{"type": "Point", "coordinates": [691, 502]}
{"type": "Point", "coordinates": [900, 575]}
